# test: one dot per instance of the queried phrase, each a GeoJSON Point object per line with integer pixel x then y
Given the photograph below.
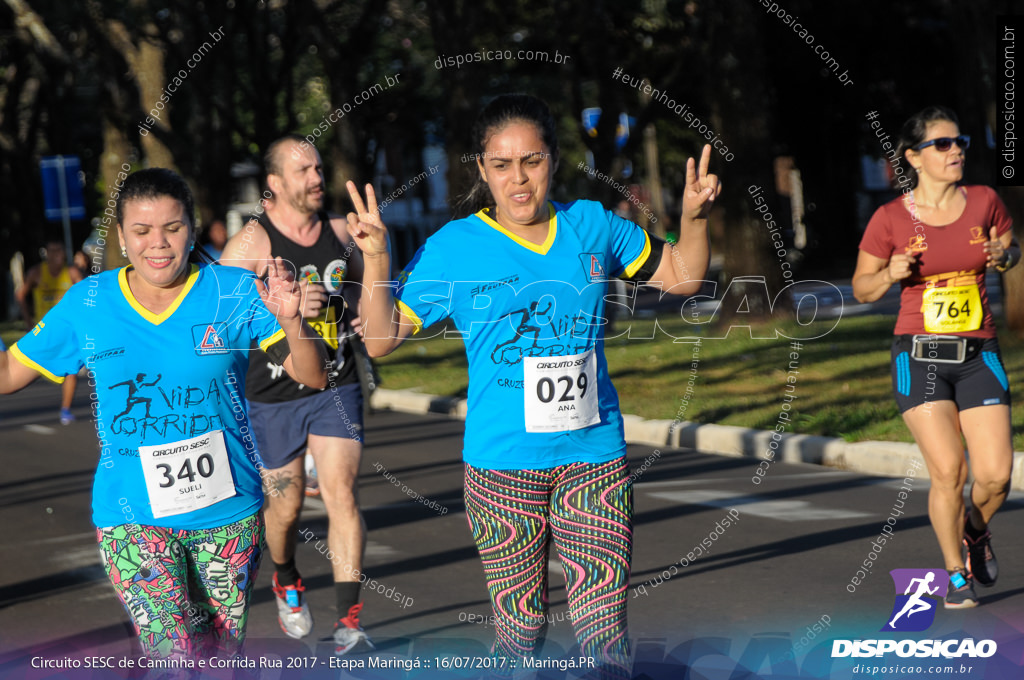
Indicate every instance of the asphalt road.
{"type": "Point", "coordinates": [746, 608]}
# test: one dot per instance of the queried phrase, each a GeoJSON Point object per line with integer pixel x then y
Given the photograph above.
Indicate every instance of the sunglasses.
{"type": "Point", "coordinates": [943, 144]}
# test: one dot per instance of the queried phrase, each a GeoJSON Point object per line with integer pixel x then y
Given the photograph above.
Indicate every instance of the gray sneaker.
{"type": "Point", "coordinates": [961, 591]}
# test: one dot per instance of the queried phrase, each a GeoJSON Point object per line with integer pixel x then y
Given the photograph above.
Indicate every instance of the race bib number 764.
{"type": "Point", "coordinates": [954, 309]}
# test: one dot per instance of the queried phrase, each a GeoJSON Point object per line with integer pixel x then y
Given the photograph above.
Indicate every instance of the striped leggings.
{"type": "Point", "coordinates": [586, 509]}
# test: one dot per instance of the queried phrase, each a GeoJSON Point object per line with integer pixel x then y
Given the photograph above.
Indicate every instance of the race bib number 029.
{"type": "Point", "coordinates": [953, 309]}
{"type": "Point", "coordinates": [187, 475]}
{"type": "Point", "coordinates": [560, 393]}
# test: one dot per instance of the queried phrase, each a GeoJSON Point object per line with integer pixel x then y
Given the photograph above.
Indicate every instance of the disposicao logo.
{"type": "Point", "coordinates": [918, 593]}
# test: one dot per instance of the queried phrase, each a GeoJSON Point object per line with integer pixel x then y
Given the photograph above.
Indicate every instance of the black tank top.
{"type": "Point", "coordinates": [326, 262]}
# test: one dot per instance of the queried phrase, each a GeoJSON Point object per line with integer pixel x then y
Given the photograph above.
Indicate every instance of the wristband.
{"type": "Point", "coordinates": [1009, 262]}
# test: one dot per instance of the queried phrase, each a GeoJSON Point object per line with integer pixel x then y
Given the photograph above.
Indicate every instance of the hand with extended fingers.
{"type": "Point", "coordinates": [365, 225]}
{"type": "Point", "coordinates": [701, 188]}
{"type": "Point", "coordinates": [995, 254]}
{"type": "Point", "coordinates": [281, 293]}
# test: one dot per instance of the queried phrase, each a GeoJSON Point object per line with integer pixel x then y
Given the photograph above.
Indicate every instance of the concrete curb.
{"type": "Point", "coordinates": [887, 459]}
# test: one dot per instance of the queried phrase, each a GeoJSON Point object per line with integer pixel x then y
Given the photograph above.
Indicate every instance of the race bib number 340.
{"type": "Point", "coordinates": [560, 393]}
{"type": "Point", "coordinates": [187, 475]}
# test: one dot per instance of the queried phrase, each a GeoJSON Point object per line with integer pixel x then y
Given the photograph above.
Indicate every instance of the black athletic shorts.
{"type": "Point", "coordinates": [979, 381]}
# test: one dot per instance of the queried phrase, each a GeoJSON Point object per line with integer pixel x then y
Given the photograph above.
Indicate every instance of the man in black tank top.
{"type": "Point", "coordinates": [288, 417]}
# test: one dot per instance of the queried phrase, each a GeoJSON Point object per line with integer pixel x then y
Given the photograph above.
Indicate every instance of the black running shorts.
{"type": "Point", "coordinates": [979, 381]}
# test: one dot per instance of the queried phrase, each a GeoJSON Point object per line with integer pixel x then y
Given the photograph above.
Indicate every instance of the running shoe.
{"type": "Point", "coordinates": [66, 417]}
{"type": "Point", "coordinates": [312, 482]}
{"type": "Point", "coordinates": [349, 638]}
{"type": "Point", "coordinates": [981, 561]}
{"type": "Point", "coordinates": [961, 591]}
{"type": "Point", "coordinates": [292, 611]}
{"type": "Point", "coordinates": [312, 487]}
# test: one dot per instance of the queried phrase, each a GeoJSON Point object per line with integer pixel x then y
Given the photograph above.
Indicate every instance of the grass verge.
{"type": "Point", "coordinates": [842, 387]}
{"type": "Point", "coordinates": [841, 377]}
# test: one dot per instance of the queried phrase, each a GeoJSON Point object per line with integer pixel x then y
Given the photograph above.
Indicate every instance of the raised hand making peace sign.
{"type": "Point", "coordinates": [701, 188]}
{"type": "Point", "coordinates": [365, 224]}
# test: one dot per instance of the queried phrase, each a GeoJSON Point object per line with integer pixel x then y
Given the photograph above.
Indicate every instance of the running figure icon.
{"type": "Point", "coordinates": [132, 400]}
{"type": "Point", "coordinates": [916, 603]}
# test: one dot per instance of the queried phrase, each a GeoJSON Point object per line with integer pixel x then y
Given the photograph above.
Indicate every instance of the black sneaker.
{"type": "Point", "coordinates": [961, 591]}
{"type": "Point", "coordinates": [981, 561]}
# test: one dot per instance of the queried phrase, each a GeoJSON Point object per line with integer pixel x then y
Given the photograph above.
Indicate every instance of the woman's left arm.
{"type": "Point", "coordinates": [683, 265]}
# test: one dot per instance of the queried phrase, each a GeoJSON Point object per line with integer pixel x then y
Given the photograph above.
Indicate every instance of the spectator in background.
{"type": "Point", "coordinates": [46, 283]}
{"type": "Point", "coordinates": [216, 239]}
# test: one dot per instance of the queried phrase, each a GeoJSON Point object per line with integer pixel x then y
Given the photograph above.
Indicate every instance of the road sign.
{"type": "Point", "coordinates": [62, 193]}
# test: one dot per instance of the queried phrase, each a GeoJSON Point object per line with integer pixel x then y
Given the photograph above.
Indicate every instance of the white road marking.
{"type": "Point", "coordinates": [374, 549]}
{"type": "Point", "coordinates": [715, 480]}
{"type": "Point", "coordinates": [78, 557]}
{"type": "Point", "coordinates": [39, 429]}
{"type": "Point", "coordinates": [83, 536]}
{"type": "Point", "coordinates": [786, 511]}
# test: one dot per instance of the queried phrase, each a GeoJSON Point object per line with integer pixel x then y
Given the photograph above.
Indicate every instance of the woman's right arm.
{"type": "Point", "coordinates": [874, 276]}
{"type": "Point", "coordinates": [14, 375]}
{"type": "Point", "coordinates": [385, 327]}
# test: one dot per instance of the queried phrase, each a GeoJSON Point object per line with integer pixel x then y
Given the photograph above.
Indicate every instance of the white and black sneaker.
{"type": "Point", "coordinates": [292, 611]}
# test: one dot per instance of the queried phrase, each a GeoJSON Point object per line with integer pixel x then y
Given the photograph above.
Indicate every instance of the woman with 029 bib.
{"type": "Point", "coordinates": [524, 280]}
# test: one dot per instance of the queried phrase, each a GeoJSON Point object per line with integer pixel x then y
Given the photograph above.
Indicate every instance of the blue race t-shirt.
{"type": "Point", "coordinates": [176, 446]}
{"type": "Point", "coordinates": [531, 319]}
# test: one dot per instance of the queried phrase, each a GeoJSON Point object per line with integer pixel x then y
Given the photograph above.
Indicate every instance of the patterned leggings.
{"type": "Point", "coordinates": [187, 592]}
{"type": "Point", "coordinates": [586, 508]}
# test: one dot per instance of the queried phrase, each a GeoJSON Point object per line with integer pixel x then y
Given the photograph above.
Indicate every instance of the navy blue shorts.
{"type": "Point", "coordinates": [979, 381]}
{"type": "Point", "coordinates": [281, 429]}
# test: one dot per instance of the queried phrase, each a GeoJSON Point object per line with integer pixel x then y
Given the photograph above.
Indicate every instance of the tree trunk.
{"type": "Point", "coordinates": [147, 65]}
{"type": "Point", "coordinates": [116, 152]}
{"type": "Point", "coordinates": [747, 243]}
{"type": "Point", "coordinates": [1013, 280]}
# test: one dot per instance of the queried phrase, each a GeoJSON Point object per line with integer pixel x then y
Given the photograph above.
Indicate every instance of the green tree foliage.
{"type": "Point", "coordinates": [83, 77]}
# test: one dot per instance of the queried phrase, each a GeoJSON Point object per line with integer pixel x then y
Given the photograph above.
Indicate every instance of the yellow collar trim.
{"type": "Point", "coordinates": [156, 319]}
{"type": "Point", "coordinates": [541, 249]}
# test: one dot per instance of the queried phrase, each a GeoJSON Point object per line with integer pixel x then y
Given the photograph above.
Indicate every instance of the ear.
{"type": "Point", "coordinates": [120, 236]}
{"type": "Point", "coordinates": [554, 165]}
{"type": "Point", "coordinates": [480, 167]}
{"type": "Point", "coordinates": [274, 183]}
{"type": "Point", "coordinates": [911, 156]}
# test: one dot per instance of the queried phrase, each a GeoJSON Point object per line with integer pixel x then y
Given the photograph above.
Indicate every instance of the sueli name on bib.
{"type": "Point", "coordinates": [954, 308]}
{"type": "Point", "coordinates": [560, 393]}
{"type": "Point", "coordinates": [187, 475]}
